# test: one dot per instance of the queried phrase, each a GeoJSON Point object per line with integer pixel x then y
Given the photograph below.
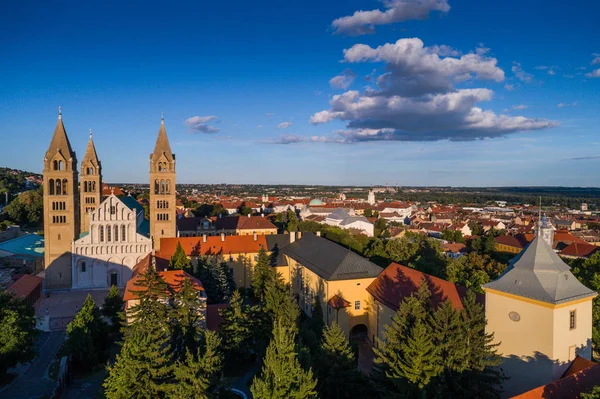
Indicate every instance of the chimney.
{"type": "Point", "coordinates": [292, 236]}
{"type": "Point", "coordinates": [248, 215]}
{"type": "Point", "coordinates": [262, 215]}
{"type": "Point", "coordinates": [318, 234]}
{"type": "Point", "coordinates": [223, 237]}
{"type": "Point", "coordinates": [299, 235]}
{"type": "Point", "coordinates": [203, 237]}
{"type": "Point", "coordinates": [255, 236]}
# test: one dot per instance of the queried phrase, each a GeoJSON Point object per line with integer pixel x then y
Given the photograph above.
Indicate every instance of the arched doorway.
{"type": "Point", "coordinates": [113, 278]}
{"type": "Point", "coordinates": [359, 332]}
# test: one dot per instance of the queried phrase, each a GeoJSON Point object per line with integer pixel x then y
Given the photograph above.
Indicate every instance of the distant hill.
{"type": "Point", "coordinates": [14, 181]}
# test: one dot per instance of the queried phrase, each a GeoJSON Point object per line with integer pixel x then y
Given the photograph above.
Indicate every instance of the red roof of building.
{"type": "Point", "coordinates": [510, 241]}
{"type": "Point", "coordinates": [108, 190]}
{"type": "Point", "coordinates": [579, 250]}
{"type": "Point", "coordinates": [244, 223]}
{"type": "Point", "coordinates": [195, 246]}
{"type": "Point", "coordinates": [337, 302]}
{"type": "Point", "coordinates": [454, 247]}
{"type": "Point", "coordinates": [173, 278]}
{"type": "Point", "coordinates": [397, 282]}
{"type": "Point", "coordinates": [25, 285]}
{"type": "Point", "coordinates": [581, 377]}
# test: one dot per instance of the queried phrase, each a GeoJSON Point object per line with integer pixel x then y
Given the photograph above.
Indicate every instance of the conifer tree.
{"type": "Point", "coordinates": [196, 373]}
{"type": "Point", "coordinates": [236, 329]}
{"type": "Point", "coordinates": [337, 372]}
{"type": "Point", "coordinates": [263, 272]}
{"type": "Point", "coordinates": [17, 331]}
{"type": "Point", "coordinates": [282, 377]}
{"type": "Point", "coordinates": [179, 260]}
{"type": "Point", "coordinates": [280, 305]}
{"type": "Point", "coordinates": [87, 336]}
{"type": "Point", "coordinates": [205, 273]}
{"type": "Point", "coordinates": [224, 276]}
{"type": "Point", "coordinates": [187, 315]}
{"type": "Point", "coordinates": [317, 324]}
{"type": "Point", "coordinates": [113, 305]}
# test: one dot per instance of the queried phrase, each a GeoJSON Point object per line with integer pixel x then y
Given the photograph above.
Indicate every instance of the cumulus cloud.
{"type": "Point", "coordinates": [363, 22]}
{"type": "Point", "coordinates": [596, 60]}
{"type": "Point", "coordinates": [562, 105]}
{"type": "Point", "coordinates": [284, 125]}
{"type": "Point", "coordinates": [594, 74]}
{"type": "Point", "coordinates": [200, 124]}
{"type": "Point", "coordinates": [520, 74]}
{"type": "Point", "coordinates": [516, 108]}
{"type": "Point", "coordinates": [286, 139]}
{"type": "Point", "coordinates": [416, 98]}
{"type": "Point", "coordinates": [343, 81]}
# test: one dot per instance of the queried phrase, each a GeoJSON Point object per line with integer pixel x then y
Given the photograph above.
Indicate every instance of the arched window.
{"type": "Point", "coordinates": [155, 186]}
{"type": "Point", "coordinates": [168, 187]}
{"type": "Point", "coordinates": [55, 165]}
{"type": "Point", "coordinates": [60, 165]}
{"type": "Point", "coordinates": [116, 233]}
{"type": "Point", "coordinates": [64, 186]}
{"type": "Point", "coordinates": [94, 186]}
{"type": "Point", "coordinates": [58, 187]}
{"type": "Point", "coordinates": [108, 233]}
{"type": "Point", "coordinates": [51, 186]}
{"type": "Point", "coordinates": [123, 231]}
{"type": "Point", "coordinates": [162, 186]}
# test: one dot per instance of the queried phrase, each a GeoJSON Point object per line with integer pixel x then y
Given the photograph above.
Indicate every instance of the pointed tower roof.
{"type": "Point", "coordinates": [60, 141]}
{"type": "Point", "coordinates": [90, 152]}
{"type": "Point", "coordinates": [162, 143]}
{"type": "Point", "coordinates": [539, 273]}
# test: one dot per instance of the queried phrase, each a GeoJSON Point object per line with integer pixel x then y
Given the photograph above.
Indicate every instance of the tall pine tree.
{"type": "Point", "coordinates": [87, 336]}
{"type": "Point", "coordinates": [236, 330]}
{"type": "Point", "coordinates": [187, 315]}
{"type": "Point", "coordinates": [197, 372]}
{"type": "Point", "coordinates": [179, 260]}
{"type": "Point", "coordinates": [113, 305]}
{"type": "Point", "coordinates": [262, 273]}
{"type": "Point", "coordinates": [282, 377]}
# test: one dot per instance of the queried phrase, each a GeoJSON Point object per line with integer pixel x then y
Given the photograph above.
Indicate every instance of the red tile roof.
{"type": "Point", "coordinates": [397, 282]}
{"type": "Point", "coordinates": [244, 223]}
{"type": "Point", "coordinates": [337, 302]}
{"type": "Point", "coordinates": [25, 285]}
{"type": "Point", "coordinates": [108, 190]}
{"type": "Point", "coordinates": [194, 246]}
{"type": "Point", "coordinates": [579, 250]}
{"type": "Point", "coordinates": [173, 278]}
{"type": "Point", "coordinates": [454, 247]}
{"type": "Point", "coordinates": [510, 241]}
{"type": "Point", "coordinates": [581, 377]}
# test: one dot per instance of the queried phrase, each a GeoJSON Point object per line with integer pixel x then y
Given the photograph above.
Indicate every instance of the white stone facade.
{"type": "Point", "coordinates": [113, 246]}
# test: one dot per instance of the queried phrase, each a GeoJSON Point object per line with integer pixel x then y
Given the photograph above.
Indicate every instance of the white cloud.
{"type": "Point", "coordinates": [562, 105]}
{"type": "Point", "coordinates": [510, 87]}
{"type": "Point", "coordinates": [596, 60]}
{"type": "Point", "coordinates": [414, 69]}
{"type": "Point", "coordinates": [521, 74]}
{"type": "Point", "coordinates": [363, 22]}
{"type": "Point", "coordinates": [286, 139]}
{"type": "Point", "coordinates": [260, 126]}
{"type": "Point", "coordinates": [594, 74]}
{"type": "Point", "coordinates": [516, 108]}
{"type": "Point", "coordinates": [416, 99]}
{"type": "Point", "coordinates": [269, 114]}
{"type": "Point", "coordinates": [343, 81]}
{"type": "Point", "coordinates": [567, 75]}
{"type": "Point", "coordinates": [199, 124]}
{"type": "Point", "coordinates": [284, 125]}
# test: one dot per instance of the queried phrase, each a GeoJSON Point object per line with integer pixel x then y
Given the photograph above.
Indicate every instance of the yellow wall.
{"type": "Point", "coordinates": [261, 232]}
{"type": "Point", "coordinates": [507, 248]}
{"type": "Point", "coordinates": [536, 348]}
{"type": "Point", "coordinates": [242, 266]}
{"type": "Point", "coordinates": [379, 316]}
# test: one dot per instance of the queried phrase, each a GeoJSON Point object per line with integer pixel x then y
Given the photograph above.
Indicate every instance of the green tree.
{"type": "Point", "coordinates": [17, 331]}
{"type": "Point", "coordinates": [187, 319]}
{"type": "Point", "coordinates": [113, 305]}
{"type": "Point", "coordinates": [87, 336]}
{"type": "Point", "coordinates": [262, 273]}
{"type": "Point", "coordinates": [179, 260]}
{"type": "Point", "coordinates": [368, 213]}
{"type": "Point", "coordinates": [282, 377]}
{"type": "Point", "coordinates": [430, 258]}
{"type": "Point", "coordinates": [196, 373]}
{"type": "Point", "coordinates": [476, 228]}
{"type": "Point", "coordinates": [144, 367]}
{"type": "Point", "coordinates": [593, 394]}
{"type": "Point", "coordinates": [338, 375]}
{"type": "Point", "coordinates": [280, 305]}
{"type": "Point", "coordinates": [403, 250]}
{"type": "Point", "coordinates": [489, 244]}
{"type": "Point", "coordinates": [292, 221]}
{"type": "Point", "coordinates": [237, 329]}
{"type": "Point", "coordinates": [379, 227]}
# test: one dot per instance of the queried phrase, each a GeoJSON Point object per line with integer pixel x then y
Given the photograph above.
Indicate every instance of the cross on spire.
{"type": "Point", "coordinates": [162, 118]}
{"type": "Point", "coordinates": [90, 133]}
{"type": "Point", "coordinates": [59, 112]}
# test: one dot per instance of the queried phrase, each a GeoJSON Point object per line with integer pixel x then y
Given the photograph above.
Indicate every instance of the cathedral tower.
{"type": "Point", "coordinates": [162, 189]}
{"type": "Point", "coordinates": [61, 208]}
{"type": "Point", "coordinates": [91, 183]}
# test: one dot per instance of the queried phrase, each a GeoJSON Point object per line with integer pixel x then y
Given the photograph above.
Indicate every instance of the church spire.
{"type": "Point", "coordinates": [60, 141]}
{"type": "Point", "coordinates": [162, 143]}
{"type": "Point", "coordinates": [90, 152]}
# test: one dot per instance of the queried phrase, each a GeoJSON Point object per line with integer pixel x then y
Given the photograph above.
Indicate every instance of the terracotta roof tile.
{"type": "Point", "coordinates": [337, 302]}
{"type": "Point", "coordinates": [194, 246]}
{"type": "Point", "coordinates": [25, 285]}
{"type": "Point", "coordinates": [579, 250]}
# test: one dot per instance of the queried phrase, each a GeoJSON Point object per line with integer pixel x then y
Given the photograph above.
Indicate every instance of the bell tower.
{"type": "Point", "coordinates": [162, 189]}
{"type": "Point", "coordinates": [61, 208]}
{"type": "Point", "coordinates": [90, 190]}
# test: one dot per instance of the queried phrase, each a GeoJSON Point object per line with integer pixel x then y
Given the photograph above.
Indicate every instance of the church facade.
{"type": "Point", "coordinates": [91, 241]}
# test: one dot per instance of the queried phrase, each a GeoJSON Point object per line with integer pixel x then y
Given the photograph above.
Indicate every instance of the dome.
{"type": "Point", "coordinates": [315, 202]}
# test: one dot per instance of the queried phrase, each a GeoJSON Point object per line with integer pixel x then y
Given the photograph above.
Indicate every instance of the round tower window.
{"type": "Point", "coordinates": [514, 316]}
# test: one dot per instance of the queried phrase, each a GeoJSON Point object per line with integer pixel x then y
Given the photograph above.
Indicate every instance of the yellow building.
{"type": "Point", "coordinates": [540, 315]}
{"type": "Point", "coordinates": [319, 269]}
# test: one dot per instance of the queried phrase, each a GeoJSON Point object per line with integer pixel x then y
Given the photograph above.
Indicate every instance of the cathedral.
{"type": "Point", "coordinates": [91, 241]}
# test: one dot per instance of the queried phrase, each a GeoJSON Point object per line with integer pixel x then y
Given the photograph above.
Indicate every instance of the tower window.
{"type": "Point", "coordinates": [83, 267]}
{"type": "Point", "coordinates": [356, 305]}
{"type": "Point", "coordinates": [572, 319]}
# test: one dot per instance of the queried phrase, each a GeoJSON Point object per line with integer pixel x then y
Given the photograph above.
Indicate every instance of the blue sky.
{"type": "Point", "coordinates": [433, 92]}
